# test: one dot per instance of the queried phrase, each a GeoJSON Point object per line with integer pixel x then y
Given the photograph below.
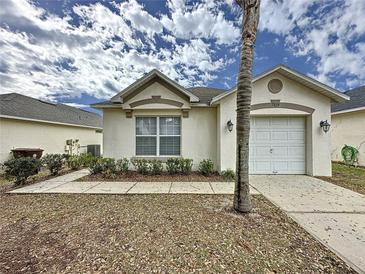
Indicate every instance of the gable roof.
{"type": "Point", "coordinates": [309, 82]}
{"type": "Point", "coordinates": [14, 105]}
{"type": "Point", "coordinates": [206, 94]}
{"type": "Point", "coordinates": [356, 102]}
{"type": "Point", "coordinates": [148, 77]}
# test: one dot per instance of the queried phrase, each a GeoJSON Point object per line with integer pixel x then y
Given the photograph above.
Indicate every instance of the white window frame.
{"type": "Point", "coordinates": [157, 135]}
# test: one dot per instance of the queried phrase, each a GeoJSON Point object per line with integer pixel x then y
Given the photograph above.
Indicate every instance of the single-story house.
{"type": "Point", "coordinates": [155, 117]}
{"type": "Point", "coordinates": [26, 122]}
{"type": "Point", "coordinates": [348, 125]}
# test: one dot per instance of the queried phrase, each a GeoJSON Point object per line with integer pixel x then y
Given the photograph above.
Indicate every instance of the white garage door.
{"type": "Point", "coordinates": [277, 145]}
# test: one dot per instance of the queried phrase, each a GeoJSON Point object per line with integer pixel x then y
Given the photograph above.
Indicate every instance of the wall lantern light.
{"type": "Point", "coordinates": [230, 125]}
{"type": "Point", "coordinates": [325, 126]}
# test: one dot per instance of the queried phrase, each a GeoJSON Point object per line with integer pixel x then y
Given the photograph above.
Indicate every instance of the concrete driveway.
{"type": "Point", "coordinates": [333, 215]}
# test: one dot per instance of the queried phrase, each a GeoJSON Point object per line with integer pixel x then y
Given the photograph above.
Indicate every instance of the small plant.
{"type": "Point", "coordinates": [21, 168]}
{"type": "Point", "coordinates": [156, 167]}
{"type": "Point", "coordinates": [228, 175]}
{"type": "Point", "coordinates": [122, 165]}
{"type": "Point", "coordinates": [206, 167]}
{"type": "Point", "coordinates": [185, 165]}
{"type": "Point", "coordinates": [96, 166]}
{"type": "Point", "coordinates": [141, 165]}
{"type": "Point", "coordinates": [173, 165]}
{"type": "Point", "coordinates": [54, 163]}
{"type": "Point", "coordinates": [86, 159]}
{"type": "Point", "coordinates": [109, 168]}
{"type": "Point", "coordinates": [74, 162]}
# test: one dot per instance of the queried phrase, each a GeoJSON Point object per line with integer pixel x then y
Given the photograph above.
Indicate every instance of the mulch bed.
{"type": "Point", "coordinates": [154, 233]}
{"type": "Point", "coordinates": [133, 176]}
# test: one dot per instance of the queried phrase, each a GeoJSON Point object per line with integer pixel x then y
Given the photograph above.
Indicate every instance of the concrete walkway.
{"type": "Point", "coordinates": [65, 184]}
{"type": "Point", "coordinates": [333, 215]}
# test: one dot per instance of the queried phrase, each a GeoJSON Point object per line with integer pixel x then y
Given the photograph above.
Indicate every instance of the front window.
{"type": "Point", "coordinates": [157, 136]}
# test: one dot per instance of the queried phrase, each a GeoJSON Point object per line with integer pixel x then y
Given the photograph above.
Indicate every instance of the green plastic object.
{"type": "Point", "coordinates": [349, 154]}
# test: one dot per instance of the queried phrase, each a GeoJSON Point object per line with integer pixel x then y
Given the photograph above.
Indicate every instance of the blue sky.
{"type": "Point", "coordinates": [80, 51]}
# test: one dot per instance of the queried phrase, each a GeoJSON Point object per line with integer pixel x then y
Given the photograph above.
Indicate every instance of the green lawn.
{"type": "Point", "coordinates": [348, 177]}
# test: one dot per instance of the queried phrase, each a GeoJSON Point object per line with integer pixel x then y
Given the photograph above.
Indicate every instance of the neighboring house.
{"type": "Point", "coordinates": [26, 122]}
{"type": "Point", "coordinates": [157, 118]}
{"type": "Point", "coordinates": [348, 125]}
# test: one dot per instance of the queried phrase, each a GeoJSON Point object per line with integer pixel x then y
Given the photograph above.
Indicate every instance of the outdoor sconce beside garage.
{"type": "Point", "coordinates": [325, 126]}
{"type": "Point", "coordinates": [230, 125]}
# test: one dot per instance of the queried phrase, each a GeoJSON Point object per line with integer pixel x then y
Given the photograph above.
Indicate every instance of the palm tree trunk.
{"type": "Point", "coordinates": [250, 9]}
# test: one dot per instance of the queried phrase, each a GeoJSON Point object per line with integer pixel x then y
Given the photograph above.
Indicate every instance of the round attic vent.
{"type": "Point", "coordinates": [275, 85]}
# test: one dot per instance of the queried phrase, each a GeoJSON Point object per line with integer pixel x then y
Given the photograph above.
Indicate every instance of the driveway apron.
{"type": "Point", "coordinates": [332, 214]}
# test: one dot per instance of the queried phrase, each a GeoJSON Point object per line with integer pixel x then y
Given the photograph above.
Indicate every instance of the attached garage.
{"type": "Point", "coordinates": [277, 145]}
{"type": "Point", "coordinates": [286, 136]}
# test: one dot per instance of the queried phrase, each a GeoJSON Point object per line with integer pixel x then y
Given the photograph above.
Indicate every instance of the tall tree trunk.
{"type": "Point", "coordinates": [251, 11]}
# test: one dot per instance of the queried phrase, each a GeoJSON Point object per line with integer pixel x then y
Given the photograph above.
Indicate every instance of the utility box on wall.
{"type": "Point", "coordinates": [94, 150]}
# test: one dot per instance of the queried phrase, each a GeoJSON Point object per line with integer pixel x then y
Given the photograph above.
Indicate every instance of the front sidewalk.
{"type": "Point", "coordinates": [66, 184]}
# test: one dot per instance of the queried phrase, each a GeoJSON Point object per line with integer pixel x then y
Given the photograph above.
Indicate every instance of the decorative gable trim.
{"type": "Point", "coordinates": [146, 80]}
{"type": "Point", "coordinates": [156, 100]}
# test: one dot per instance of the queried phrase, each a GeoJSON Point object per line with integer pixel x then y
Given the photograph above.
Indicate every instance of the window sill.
{"type": "Point", "coordinates": [160, 158]}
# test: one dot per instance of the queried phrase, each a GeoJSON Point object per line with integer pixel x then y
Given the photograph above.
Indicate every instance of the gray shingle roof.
{"type": "Point", "coordinates": [206, 94]}
{"type": "Point", "coordinates": [357, 100]}
{"type": "Point", "coordinates": [14, 104]}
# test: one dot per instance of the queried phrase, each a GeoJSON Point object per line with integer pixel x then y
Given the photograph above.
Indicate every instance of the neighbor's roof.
{"type": "Point", "coordinates": [311, 83]}
{"type": "Point", "coordinates": [357, 101]}
{"type": "Point", "coordinates": [14, 105]}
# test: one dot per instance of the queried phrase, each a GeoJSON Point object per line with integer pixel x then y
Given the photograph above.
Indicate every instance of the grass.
{"type": "Point", "coordinates": [153, 233]}
{"type": "Point", "coordinates": [349, 177]}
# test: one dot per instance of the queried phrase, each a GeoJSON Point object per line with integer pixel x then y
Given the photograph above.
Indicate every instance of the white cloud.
{"type": "Point", "coordinates": [200, 21]}
{"type": "Point", "coordinates": [49, 56]}
{"type": "Point", "coordinates": [139, 18]}
{"type": "Point", "coordinates": [76, 105]}
{"type": "Point", "coordinates": [327, 30]}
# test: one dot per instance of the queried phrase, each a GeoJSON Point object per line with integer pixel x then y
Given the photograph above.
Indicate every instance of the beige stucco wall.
{"type": "Point", "coordinates": [348, 128]}
{"type": "Point", "coordinates": [198, 133]}
{"type": "Point", "coordinates": [50, 137]}
{"type": "Point", "coordinates": [156, 89]}
{"type": "Point", "coordinates": [205, 134]}
{"type": "Point", "coordinates": [317, 142]}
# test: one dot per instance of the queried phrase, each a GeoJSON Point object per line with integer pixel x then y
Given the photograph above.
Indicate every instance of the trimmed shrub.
{"type": "Point", "coordinates": [173, 165]}
{"type": "Point", "coordinates": [185, 165]}
{"type": "Point", "coordinates": [74, 162]}
{"type": "Point", "coordinates": [122, 165]}
{"type": "Point", "coordinates": [156, 167]}
{"type": "Point", "coordinates": [96, 166]}
{"type": "Point", "coordinates": [109, 168]}
{"type": "Point", "coordinates": [21, 168]}
{"type": "Point", "coordinates": [53, 162]}
{"type": "Point", "coordinates": [228, 175]}
{"type": "Point", "coordinates": [206, 167]}
{"type": "Point", "coordinates": [86, 159]}
{"type": "Point", "coordinates": [141, 165]}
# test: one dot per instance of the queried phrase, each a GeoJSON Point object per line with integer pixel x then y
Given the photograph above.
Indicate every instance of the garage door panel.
{"type": "Point", "coordinates": [296, 136]}
{"type": "Point", "coordinates": [262, 136]}
{"type": "Point", "coordinates": [262, 151]}
{"type": "Point", "coordinates": [262, 167]}
{"type": "Point", "coordinates": [277, 145]}
{"type": "Point", "coordinates": [296, 152]}
{"type": "Point", "coordinates": [261, 123]}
